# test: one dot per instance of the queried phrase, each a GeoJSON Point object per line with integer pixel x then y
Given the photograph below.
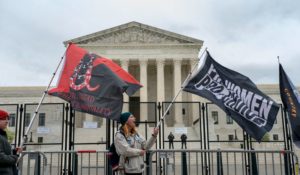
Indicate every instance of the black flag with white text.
{"type": "Point", "coordinates": [236, 94]}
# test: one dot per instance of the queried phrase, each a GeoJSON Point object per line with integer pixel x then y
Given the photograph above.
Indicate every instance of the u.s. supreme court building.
{"type": "Point", "coordinates": [161, 60]}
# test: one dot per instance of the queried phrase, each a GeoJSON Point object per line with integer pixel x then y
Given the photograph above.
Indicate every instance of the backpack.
{"type": "Point", "coordinates": [113, 156]}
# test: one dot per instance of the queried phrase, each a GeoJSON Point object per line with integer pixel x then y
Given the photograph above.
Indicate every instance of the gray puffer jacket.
{"type": "Point", "coordinates": [129, 150]}
{"type": "Point", "coordinates": [7, 160]}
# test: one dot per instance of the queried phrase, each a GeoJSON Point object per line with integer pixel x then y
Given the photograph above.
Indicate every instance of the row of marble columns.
{"type": "Point", "coordinates": [160, 63]}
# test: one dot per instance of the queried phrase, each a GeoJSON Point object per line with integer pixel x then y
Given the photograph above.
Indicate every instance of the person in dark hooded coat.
{"type": "Point", "coordinates": [8, 157]}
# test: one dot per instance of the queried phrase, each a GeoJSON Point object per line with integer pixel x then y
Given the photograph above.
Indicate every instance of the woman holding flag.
{"type": "Point", "coordinates": [131, 146]}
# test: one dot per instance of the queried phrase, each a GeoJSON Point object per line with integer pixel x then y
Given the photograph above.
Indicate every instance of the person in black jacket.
{"type": "Point", "coordinates": [183, 140]}
{"type": "Point", "coordinates": [8, 157]}
{"type": "Point", "coordinates": [171, 140]}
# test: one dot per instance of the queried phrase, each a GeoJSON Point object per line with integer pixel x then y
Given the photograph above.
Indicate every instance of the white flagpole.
{"type": "Point", "coordinates": [182, 86]}
{"type": "Point", "coordinates": [24, 139]}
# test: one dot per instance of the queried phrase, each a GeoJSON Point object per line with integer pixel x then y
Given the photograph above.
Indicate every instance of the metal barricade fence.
{"type": "Point", "coordinates": [85, 162]}
{"type": "Point", "coordinates": [222, 162]}
{"type": "Point", "coordinates": [32, 163]}
{"type": "Point", "coordinates": [165, 162]}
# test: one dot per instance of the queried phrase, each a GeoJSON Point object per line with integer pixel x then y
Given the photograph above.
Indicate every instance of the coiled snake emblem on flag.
{"type": "Point", "coordinates": [83, 73]}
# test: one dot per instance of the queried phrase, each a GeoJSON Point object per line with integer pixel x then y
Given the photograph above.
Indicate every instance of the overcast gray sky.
{"type": "Point", "coordinates": [246, 36]}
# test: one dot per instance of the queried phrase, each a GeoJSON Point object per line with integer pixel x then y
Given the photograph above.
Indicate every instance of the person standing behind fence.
{"type": "Point", "coordinates": [171, 140]}
{"type": "Point", "coordinates": [131, 146]}
{"type": "Point", "coordinates": [183, 140]}
{"type": "Point", "coordinates": [8, 157]}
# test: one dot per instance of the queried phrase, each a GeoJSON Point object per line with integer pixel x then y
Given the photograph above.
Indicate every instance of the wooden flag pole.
{"type": "Point", "coordinates": [182, 86]}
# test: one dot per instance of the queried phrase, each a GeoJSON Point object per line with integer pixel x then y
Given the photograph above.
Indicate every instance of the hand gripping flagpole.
{"type": "Point", "coordinates": [182, 86]}
{"type": "Point", "coordinates": [24, 139]}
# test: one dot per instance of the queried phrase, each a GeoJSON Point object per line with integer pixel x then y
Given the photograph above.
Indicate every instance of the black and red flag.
{"type": "Point", "coordinates": [93, 84]}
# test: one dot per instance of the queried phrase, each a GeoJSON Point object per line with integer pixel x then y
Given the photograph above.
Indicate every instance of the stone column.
{"type": "Point", "coordinates": [143, 90]}
{"type": "Point", "coordinates": [177, 86]}
{"type": "Point", "coordinates": [160, 80]}
{"type": "Point", "coordinates": [194, 98]}
{"type": "Point", "coordinates": [125, 66]}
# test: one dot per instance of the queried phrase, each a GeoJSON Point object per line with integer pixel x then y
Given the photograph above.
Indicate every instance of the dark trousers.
{"type": "Point", "coordinates": [171, 145]}
{"type": "Point", "coordinates": [183, 143]}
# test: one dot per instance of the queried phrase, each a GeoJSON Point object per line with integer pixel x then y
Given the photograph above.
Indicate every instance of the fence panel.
{"type": "Point", "coordinates": [222, 162]}
{"type": "Point", "coordinates": [85, 162]}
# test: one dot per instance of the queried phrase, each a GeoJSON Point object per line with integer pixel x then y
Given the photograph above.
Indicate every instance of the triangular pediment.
{"type": "Point", "coordinates": [134, 33]}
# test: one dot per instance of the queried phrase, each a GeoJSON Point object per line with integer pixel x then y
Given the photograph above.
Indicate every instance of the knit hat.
{"type": "Point", "coordinates": [3, 114]}
{"type": "Point", "coordinates": [124, 117]}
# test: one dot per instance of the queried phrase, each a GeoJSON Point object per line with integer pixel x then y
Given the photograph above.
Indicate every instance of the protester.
{"type": "Point", "coordinates": [183, 140]}
{"type": "Point", "coordinates": [8, 157]}
{"type": "Point", "coordinates": [171, 140]}
{"type": "Point", "coordinates": [131, 146]}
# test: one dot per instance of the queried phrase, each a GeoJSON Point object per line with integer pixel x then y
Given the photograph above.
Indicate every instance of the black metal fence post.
{"type": "Point", "coordinates": [219, 164]}
{"type": "Point", "coordinates": [75, 164]}
{"type": "Point", "coordinates": [148, 163]}
{"type": "Point", "coordinates": [72, 113]}
{"type": "Point", "coordinates": [21, 121]}
{"type": "Point", "coordinates": [108, 140]}
{"type": "Point", "coordinates": [37, 166]}
{"type": "Point", "coordinates": [184, 164]}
